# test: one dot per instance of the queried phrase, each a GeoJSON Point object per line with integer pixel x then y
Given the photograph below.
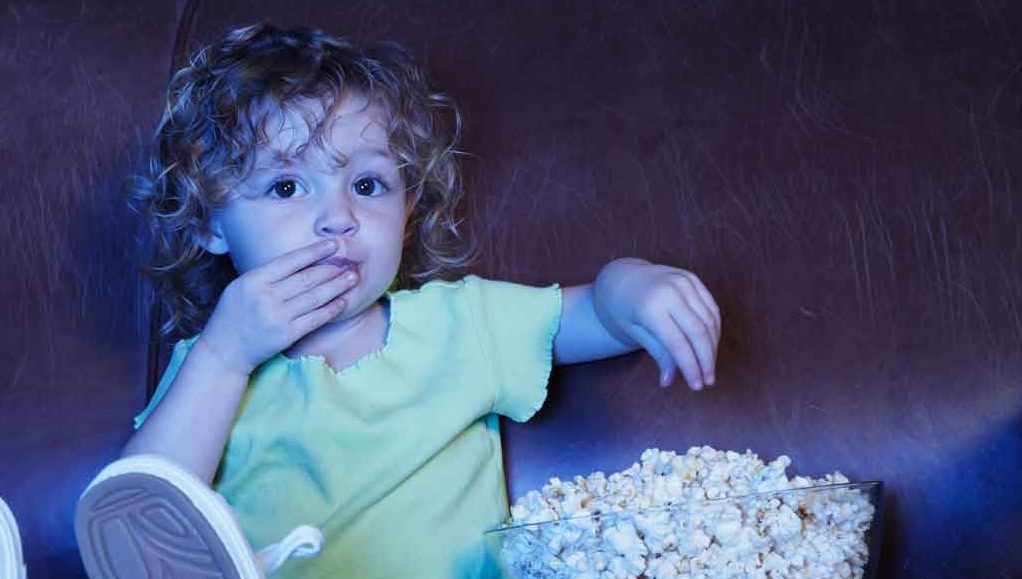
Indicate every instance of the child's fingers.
{"type": "Point", "coordinates": [668, 334]}
{"type": "Point", "coordinates": [707, 299]}
{"type": "Point", "coordinates": [306, 323]}
{"type": "Point", "coordinates": [697, 336]}
{"type": "Point", "coordinates": [659, 354]}
{"type": "Point", "coordinates": [306, 279]}
{"type": "Point", "coordinates": [319, 295]}
{"type": "Point", "coordinates": [288, 263]}
{"type": "Point", "coordinates": [688, 286]}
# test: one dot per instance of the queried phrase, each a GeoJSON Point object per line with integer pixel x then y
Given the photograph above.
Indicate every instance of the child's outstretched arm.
{"type": "Point", "coordinates": [636, 304]}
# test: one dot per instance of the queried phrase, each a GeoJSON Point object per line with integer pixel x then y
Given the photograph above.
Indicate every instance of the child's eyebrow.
{"type": "Point", "coordinates": [277, 161]}
{"type": "Point", "coordinates": [285, 160]}
{"type": "Point", "coordinates": [372, 152]}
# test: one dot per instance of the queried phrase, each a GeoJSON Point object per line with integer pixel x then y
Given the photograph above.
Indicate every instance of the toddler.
{"type": "Point", "coordinates": [340, 368]}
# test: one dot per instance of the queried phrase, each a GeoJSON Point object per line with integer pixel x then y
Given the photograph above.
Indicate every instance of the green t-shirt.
{"type": "Point", "coordinates": [397, 458]}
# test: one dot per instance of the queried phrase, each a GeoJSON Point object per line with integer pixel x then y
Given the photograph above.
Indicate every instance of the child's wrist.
{"type": "Point", "coordinates": [610, 296]}
{"type": "Point", "coordinates": [217, 357]}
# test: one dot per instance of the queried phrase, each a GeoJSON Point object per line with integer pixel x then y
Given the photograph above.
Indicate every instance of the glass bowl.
{"type": "Point", "coordinates": [818, 531]}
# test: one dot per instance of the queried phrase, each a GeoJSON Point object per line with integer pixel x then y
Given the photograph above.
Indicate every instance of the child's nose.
{"type": "Point", "coordinates": [337, 217]}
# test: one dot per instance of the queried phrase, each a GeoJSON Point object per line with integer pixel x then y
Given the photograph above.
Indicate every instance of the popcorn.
{"type": "Point", "coordinates": [666, 517]}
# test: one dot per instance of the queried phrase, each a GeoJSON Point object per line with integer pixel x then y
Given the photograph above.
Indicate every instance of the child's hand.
{"type": "Point", "coordinates": [268, 308]}
{"type": "Point", "coordinates": [665, 310]}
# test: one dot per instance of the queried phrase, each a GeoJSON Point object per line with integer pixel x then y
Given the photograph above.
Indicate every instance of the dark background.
{"type": "Point", "coordinates": [844, 176]}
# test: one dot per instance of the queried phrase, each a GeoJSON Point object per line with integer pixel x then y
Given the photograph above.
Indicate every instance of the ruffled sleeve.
{"type": "Point", "coordinates": [181, 349]}
{"type": "Point", "coordinates": [515, 326]}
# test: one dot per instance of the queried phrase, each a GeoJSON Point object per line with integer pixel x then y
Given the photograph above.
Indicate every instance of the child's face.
{"type": "Point", "coordinates": [289, 201]}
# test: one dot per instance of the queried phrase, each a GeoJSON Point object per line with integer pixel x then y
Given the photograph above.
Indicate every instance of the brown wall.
{"type": "Point", "coordinates": [80, 82]}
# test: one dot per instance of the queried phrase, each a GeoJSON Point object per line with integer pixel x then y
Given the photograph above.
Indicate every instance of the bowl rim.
{"type": "Point", "coordinates": [870, 484]}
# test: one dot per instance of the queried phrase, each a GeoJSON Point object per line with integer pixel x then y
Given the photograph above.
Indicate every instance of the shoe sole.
{"type": "Point", "coordinates": [143, 517]}
{"type": "Point", "coordinates": [11, 564]}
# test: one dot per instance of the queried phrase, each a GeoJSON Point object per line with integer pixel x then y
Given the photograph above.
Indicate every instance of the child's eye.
{"type": "Point", "coordinates": [284, 188]}
{"type": "Point", "coordinates": [369, 186]}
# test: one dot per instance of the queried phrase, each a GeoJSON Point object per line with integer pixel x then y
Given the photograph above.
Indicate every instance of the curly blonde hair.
{"type": "Point", "coordinates": [206, 141]}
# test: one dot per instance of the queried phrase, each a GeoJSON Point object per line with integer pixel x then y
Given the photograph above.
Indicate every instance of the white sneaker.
{"type": "Point", "coordinates": [144, 516]}
{"type": "Point", "coordinates": [11, 563]}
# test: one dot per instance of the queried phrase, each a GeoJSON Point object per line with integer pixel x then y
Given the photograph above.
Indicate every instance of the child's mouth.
{"type": "Point", "coordinates": [344, 263]}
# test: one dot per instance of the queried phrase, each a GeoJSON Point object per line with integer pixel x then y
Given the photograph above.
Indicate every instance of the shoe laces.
{"type": "Point", "coordinates": [302, 541]}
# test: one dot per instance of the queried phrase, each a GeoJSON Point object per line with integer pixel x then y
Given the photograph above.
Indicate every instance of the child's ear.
{"type": "Point", "coordinates": [213, 240]}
